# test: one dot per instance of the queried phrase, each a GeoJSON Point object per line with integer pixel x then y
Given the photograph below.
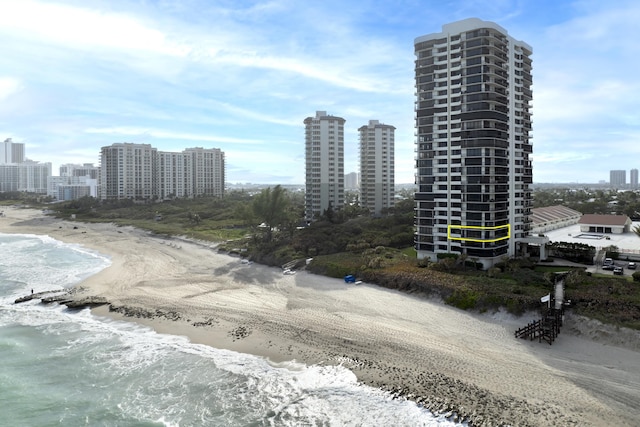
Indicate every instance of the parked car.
{"type": "Point", "coordinates": [631, 266]}
{"type": "Point", "coordinates": [618, 271]}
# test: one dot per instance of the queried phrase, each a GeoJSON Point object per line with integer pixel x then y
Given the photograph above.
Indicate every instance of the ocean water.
{"type": "Point", "coordinates": [61, 367]}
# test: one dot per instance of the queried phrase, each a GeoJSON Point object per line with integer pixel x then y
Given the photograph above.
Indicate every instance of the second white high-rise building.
{"type": "Point", "coordinates": [377, 169]}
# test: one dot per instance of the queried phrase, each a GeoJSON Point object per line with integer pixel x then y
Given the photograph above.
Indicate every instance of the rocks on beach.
{"type": "Point", "coordinates": [64, 297]}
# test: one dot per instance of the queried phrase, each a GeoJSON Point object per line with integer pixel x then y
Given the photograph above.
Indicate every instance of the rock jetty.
{"type": "Point", "coordinates": [64, 297]}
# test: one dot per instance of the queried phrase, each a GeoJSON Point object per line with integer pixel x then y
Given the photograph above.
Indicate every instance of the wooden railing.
{"type": "Point", "coordinates": [547, 328]}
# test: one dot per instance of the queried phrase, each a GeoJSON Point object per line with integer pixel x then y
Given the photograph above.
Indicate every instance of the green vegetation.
{"type": "Point", "coordinates": [9, 198]}
{"type": "Point", "coordinates": [266, 227]}
{"type": "Point", "coordinates": [210, 219]}
{"type": "Point", "coordinates": [576, 252]}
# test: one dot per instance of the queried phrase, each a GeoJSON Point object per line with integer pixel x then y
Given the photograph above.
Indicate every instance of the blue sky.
{"type": "Point", "coordinates": [242, 76]}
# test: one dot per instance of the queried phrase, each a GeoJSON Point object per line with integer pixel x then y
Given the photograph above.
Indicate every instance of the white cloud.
{"type": "Point", "coordinates": [9, 86]}
{"type": "Point", "coordinates": [166, 134]}
{"type": "Point", "coordinates": [83, 27]}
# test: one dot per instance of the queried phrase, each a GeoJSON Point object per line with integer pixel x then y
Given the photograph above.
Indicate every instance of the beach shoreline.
{"type": "Point", "coordinates": [446, 360]}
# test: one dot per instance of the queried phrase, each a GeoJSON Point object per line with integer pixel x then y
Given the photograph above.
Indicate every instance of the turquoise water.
{"type": "Point", "coordinates": [71, 368]}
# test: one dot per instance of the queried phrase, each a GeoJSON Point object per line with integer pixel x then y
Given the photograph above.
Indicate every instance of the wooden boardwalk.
{"type": "Point", "coordinates": [545, 329]}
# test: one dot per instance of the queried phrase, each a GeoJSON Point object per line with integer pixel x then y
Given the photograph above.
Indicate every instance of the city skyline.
{"type": "Point", "coordinates": [241, 76]}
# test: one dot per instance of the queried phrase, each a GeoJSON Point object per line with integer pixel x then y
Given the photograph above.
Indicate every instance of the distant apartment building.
{"type": "Point", "coordinates": [11, 152]}
{"type": "Point", "coordinates": [85, 169]}
{"type": "Point", "coordinates": [75, 181]}
{"type": "Point", "coordinates": [9, 178]}
{"type": "Point", "coordinates": [633, 178]}
{"type": "Point", "coordinates": [618, 178]}
{"type": "Point", "coordinates": [377, 186]}
{"type": "Point", "coordinates": [174, 175]}
{"type": "Point", "coordinates": [139, 171]}
{"type": "Point", "coordinates": [17, 173]}
{"type": "Point", "coordinates": [72, 187]}
{"type": "Point", "coordinates": [324, 164]}
{"type": "Point", "coordinates": [473, 122]}
{"type": "Point", "coordinates": [33, 176]}
{"type": "Point", "coordinates": [128, 171]}
{"type": "Point", "coordinates": [352, 181]}
{"type": "Point", "coordinates": [207, 171]}
{"type": "Point", "coordinates": [73, 192]}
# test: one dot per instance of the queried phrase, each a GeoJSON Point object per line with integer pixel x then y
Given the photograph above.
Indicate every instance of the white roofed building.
{"type": "Point", "coordinates": [553, 217]}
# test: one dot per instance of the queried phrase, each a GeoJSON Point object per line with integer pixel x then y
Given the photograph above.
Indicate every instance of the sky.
{"type": "Point", "coordinates": [242, 75]}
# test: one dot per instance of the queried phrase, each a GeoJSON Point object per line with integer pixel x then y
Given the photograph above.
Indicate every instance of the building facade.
{"type": "Point", "coordinates": [11, 152]}
{"type": "Point", "coordinates": [72, 187]}
{"type": "Point", "coordinates": [207, 169]}
{"type": "Point", "coordinates": [633, 178]}
{"type": "Point", "coordinates": [141, 172]}
{"type": "Point", "coordinates": [17, 173]}
{"type": "Point", "coordinates": [324, 164]}
{"type": "Point", "coordinates": [9, 178]}
{"type": "Point", "coordinates": [473, 124]}
{"type": "Point", "coordinates": [33, 176]}
{"type": "Point", "coordinates": [75, 191]}
{"type": "Point", "coordinates": [174, 179]}
{"type": "Point", "coordinates": [352, 181]}
{"type": "Point", "coordinates": [618, 178]}
{"type": "Point", "coordinates": [128, 171]}
{"type": "Point", "coordinates": [86, 169]}
{"type": "Point", "coordinates": [377, 185]}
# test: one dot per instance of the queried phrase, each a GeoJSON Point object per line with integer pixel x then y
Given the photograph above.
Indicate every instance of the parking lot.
{"type": "Point", "coordinates": [626, 243]}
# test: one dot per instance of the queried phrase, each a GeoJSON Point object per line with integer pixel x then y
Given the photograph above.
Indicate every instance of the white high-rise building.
{"type": "Point", "coordinates": [70, 187]}
{"type": "Point", "coordinates": [352, 181]}
{"type": "Point", "coordinates": [324, 164]}
{"type": "Point", "coordinates": [86, 169]}
{"type": "Point", "coordinates": [618, 178]}
{"type": "Point", "coordinates": [139, 171]}
{"type": "Point", "coordinates": [34, 176]}
{"type": "Point", "coordinates": [175, 179]}
{"type": "Point", "coordinates": [17, 173]}
{"type": "Point", "coordinates": [128, 171]}
{"type": "Point", "coordinates": [207, 168]}
{"type": "Point", "coordinates": [9, 177]}
{"type": "Point", "coordinates": [633, 178]}
{"type": "Point", "coordinates": [473, 124]}
{"type": "Point", "coordinates": [377, 186]}
{"type": "Point", "coordinates": [11, 152]}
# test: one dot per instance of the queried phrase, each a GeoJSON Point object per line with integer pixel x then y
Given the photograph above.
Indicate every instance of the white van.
{"type": "Point", "coordinates": [607, 264]}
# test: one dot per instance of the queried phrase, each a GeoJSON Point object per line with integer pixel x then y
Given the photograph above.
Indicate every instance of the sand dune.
{"type": "Point", "coordinates": [446, 359]}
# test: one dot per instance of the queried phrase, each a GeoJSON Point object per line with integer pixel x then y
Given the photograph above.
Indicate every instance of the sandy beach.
{"type": "Point", "coordinates": [446, 359]}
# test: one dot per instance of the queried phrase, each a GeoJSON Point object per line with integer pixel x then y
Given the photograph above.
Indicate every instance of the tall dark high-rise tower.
{"type": "Point", "coordinates": [473, 148]}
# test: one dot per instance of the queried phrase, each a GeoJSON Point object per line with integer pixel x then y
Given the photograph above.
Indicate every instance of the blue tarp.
{"type": "Point", "coordinates": [349, 278]}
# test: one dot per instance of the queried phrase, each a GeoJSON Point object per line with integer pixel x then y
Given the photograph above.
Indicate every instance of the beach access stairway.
{"type": "Point", "coordinates": [545, 329]}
